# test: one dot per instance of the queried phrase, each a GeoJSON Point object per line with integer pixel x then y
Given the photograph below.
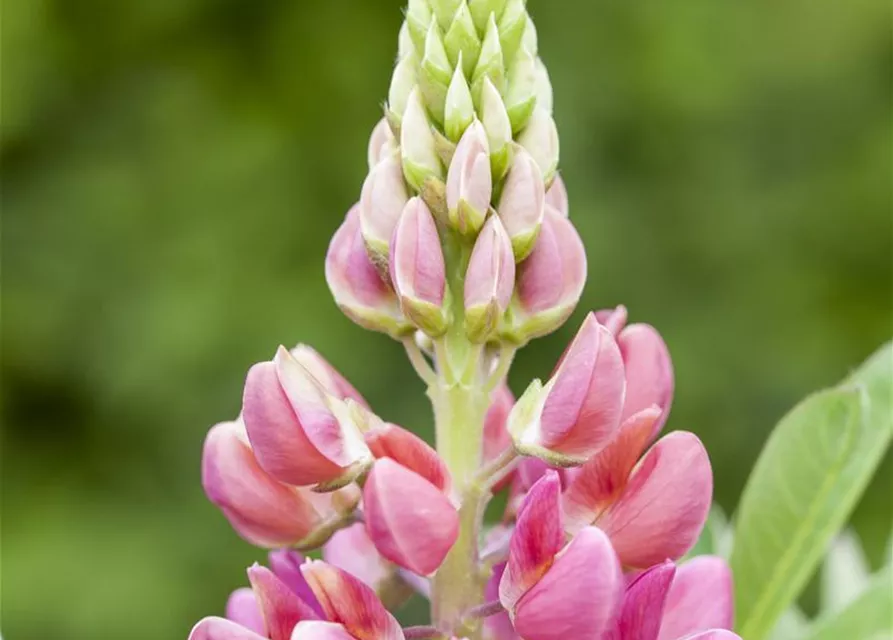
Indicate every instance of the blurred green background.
{"type": "Point", "coordinates": [172, 171]}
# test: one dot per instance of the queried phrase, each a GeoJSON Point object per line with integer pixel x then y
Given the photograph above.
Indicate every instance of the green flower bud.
{"type": "Point", "coordinates": [435, 73]}
{"type": "Point", "coordinates": [529, 40]}
{"type": "Point", "coordinates": [543, 87]}
{"type": "Point", "coordinates": [511, 27]}
{"type": "Point", "coordinates": [402, 82]}
{"type": "Point", "coordinates": [540, 138]}
{"type": "Point", "coordinates": [459, 108]}
{"type": "Point", "coordinates": [445, 10]}
{"type": "Point", "coordinates": [417, 147]}
{"type": "Point", "coordinates": [481, 10]}
{"type": "Point", "coordinates": [418, 19]}
{"type": "Point", "coordinates": [496, 121]}
{"type": "Point", "coordinates": [405, 45]}
{"type": "Point", "coordinates": [490, 63]}
{"type": "Point", "coordinates": [520, 96]}
{"type": "Point", "coordinates": [462, 40]}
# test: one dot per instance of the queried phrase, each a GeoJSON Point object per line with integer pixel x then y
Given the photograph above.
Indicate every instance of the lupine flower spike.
{"type": "Point", "coordinates": [461, 247]}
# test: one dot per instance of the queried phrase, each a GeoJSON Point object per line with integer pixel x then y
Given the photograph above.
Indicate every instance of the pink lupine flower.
{"type": "Point", "coordinates": [388, 440]}
{"type": "Point", "coordinates": [349, 604]}
{"type": "Point", "coordinates": [261, 509]}
{"type": "Point", "coordinates": [469, 183]}
{"type": "Point", "coordinates": [499, 626]}
{"type": "Point", "coordinates": [496, 434]}
{"type": "Point", "coordinates": [551, 279]}
{"type": "Point", "coordinates": [528, 471]}
{"type": "Point", "coordinates": [522, 204]}
{"type": "Point", "coordinates": [357, 286]}
{"type": "Point", "coordinates": [417, 268]}
{"type": "Point", "coordinates": [652, 510]}
{"type": "Point", "coordinates": [352, 550]}
{"type": "Point", "coordinates": [646, 360]}
{"type": "Point", "coordinates": [286, 564]}
{"type": "Point", "coordinates": [550, 592]}
{"type": "Point", "coordinates": [242, 608]}
{"type": "Point", "coordinates": [578, 411]}
{"type": "Point", "coordinates": [556, 196]}
{"type": "Point", "coordinates": [415, 538]}
{"type": "Point", "coordinates": [303, 430]}
{"type": "Point", "coordinates": [382, 143]}
{"type": "Point", "coordinates": [382, 200]}
{"type": "Point", "coordinates": [700, 608]}
{"type": "Point", "coordinates": [489, 281]}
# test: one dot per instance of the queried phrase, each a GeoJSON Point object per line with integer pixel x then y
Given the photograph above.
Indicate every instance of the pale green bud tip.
{"type": "Point", "coordinates": [403, 81]}
{"type": "Point", "coordinates": [512, 24]}
{"type": "Point", "coordinates": [499, 128]}
{"type": "Point", "coordinates": [417, 144]}
{"type": "Point", "coordinates": [462, 41]}
{"type": "Point", "coordinates": [491, 63]}
{"type": "Point", "coordinates": [540, 139]}
{"type": "Point", "coordinates": [459, 108]}
{"type": "Point", "coordinates": [520, 98]}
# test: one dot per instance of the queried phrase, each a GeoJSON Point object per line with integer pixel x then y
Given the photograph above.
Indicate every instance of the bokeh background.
{"type": "Point", "coordinates": [172, 171]}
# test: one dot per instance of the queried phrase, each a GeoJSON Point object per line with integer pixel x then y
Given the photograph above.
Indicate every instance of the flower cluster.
{"type": "Point", "coordinates": [461, 248]}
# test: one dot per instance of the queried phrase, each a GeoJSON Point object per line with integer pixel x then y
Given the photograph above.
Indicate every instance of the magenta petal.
{"type": "Point", "coordinates": [537, 538]}
{"type": "Point", "coordinates": [347, 601]}
{"type": "Point", "coordinates": [415, 538]}
{"type": "Point", "coordinates": [222, 629]}
{"type": "Point", "coordinates": [498, 627]}
{"type": "Point", "coordinates": [578, 596]}
{"type": "Point", "coordinates": [649, 371]}
{"type": "Point", "coordinates": [663, 508]}
{"type": "Point", "coordinates": [277, 437]}
{"type": "Point", "coordinates": [701, 597]}
{"type": "Point", "coordinates": [286, 564]}
{"type": "Point", "coordinates": [242, 608]}
{"type": "Point", "coordinates": [643, 604]}
{"type": "Point", "coordinates": [281, 608]}
{"type": "Point", "coordinates": [318, 630]}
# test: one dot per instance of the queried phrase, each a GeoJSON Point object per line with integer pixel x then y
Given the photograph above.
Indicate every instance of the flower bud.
{"type": "Point", "coordinates": [381, 143]}
{"type": "Point", "coordinates": [459, 107]}
{"type": "Point", "coordinates": [435, 72]}
{"type": "Point", "coordinates": [286, 564]}
{"type": "Point", "coordinates": [700, 597]}
{"type": "Point", "coordinates": [403, 80]}
{"type": "Point", "coordinates": [469, 185]}
{"type": "Point", "coordinates": [444, 10]}
{"type": "Point", "coordinates": [381, 202]}
{"type": "Point", "coordinates": [520, 97]}
{"type": "Point", "coordinates": [302, 432]}
{"type": "Point", "coordinates": [418, 19]}
{"type": "Point", "coordinates": [417, 268]}
{"type": "Point", "coordinates": [489, 281]}
{"type": "Point", "coordinates": [347, 603]}
{"type": "Point", "coordinates": [352, 550]}
{"type": "Point", "coordinates": [522, 204]}
{"type": "Point", "coordinates": [281, 608]}
{"type": "Point", "coordinates": [261, 509]}
{"type": "Point", "coordinates": [490, 63]}
{"type": "Point", "coordinates": [387, 440]}
{"type": "Point", "coordinates": [578, 411]}
{"type": "Point", "coordinates": [540, 138]}
{"type": "Point", "coordinates": [550, 280]}
{"type": "Point", "coordinates": [543, 87]}
{"type": "Point", "coordinates": [356, 284]}
{"type": "Point", "coordinates": [649, 372]}
{"type": "Point", "coordinates": [417, 146]}
{"type": "Point", "coordinates": [499, 129]}
{"type": "Point", "coordinates": [556, 197]}
{"type": "Point", "coordinates": [415, 538]}
{"type": "Point", "coordinates": [481, 9]}
{"type": "Point", "coordinates": [512, 23]}
{"type": "Point", "coordinates": [529, 40]}
{"type": "Point", "coordinates": [463, 46]}
{"type": "Point", "coordinates": [405, 45]}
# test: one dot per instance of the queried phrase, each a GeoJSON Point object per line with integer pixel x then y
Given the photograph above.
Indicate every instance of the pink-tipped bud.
{"type": "Point", "coordinates": [352, 549]}
{"type": "Point", "coordinates": [556, 196]}
{"type": "Point", "coordinates": [522, 204]}
{"type": "Point", "coordinates": [388, 440]}
{"type": "Point", "coordinates": [417, 268]}
{"type": "Point", "coordinates": [382, 143]}
{"type": "Point", "coordinates": [302, 432]}
{"type": "Point", "coordinates": [415, 538]}
{"type": "Point", "coordinates": [469, 181]}
{"type": "Point", "coordinates": [262, 510]}
{"type": "Point", "coordinates": [550, 280]}
{"type": "Point", "coordinates": [382, 200]}
{"type": "Point", "coordinates": [578, 411]}
{"type": "Point", "coordinates": [489, 281]}
{"type": "Point", "coordinates": [357, 286]}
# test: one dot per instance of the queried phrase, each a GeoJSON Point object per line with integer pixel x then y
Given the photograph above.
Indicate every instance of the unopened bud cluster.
{"type": "Point", "coordinates": [461, 247]}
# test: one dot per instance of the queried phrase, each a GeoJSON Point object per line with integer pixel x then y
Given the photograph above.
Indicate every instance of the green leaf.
{"type": "Point", "coordinates": [814, 467]}
{"type": "Point", "coordinates": [868, 616]}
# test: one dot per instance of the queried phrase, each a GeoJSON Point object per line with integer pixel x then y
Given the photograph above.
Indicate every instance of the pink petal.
{"type": "Point", "coordinates": [263, 510]}
{"type": "Point", "coordinates": [496, 436]}
{"type": "Point", "coordinates": [280, 607]}
{"type": "Point", "coordinates": [416, 259]}
{"type": "Point", "coordinates": [404, 447]}
{"type": "Point", "coordinates": [643, 605]}
{"type": "Point", "coordinates": [578, 596]}
{"type": "Point", "coordinates": [242, 608]}
{"type": "Point", "coordinates": [613, 319]}
{"type": "Point", "coordinates": [277, 437]}
{"type": "Point", "coordinates": [415, 538]}
{"type": "Point", "coordinates": [327, 375]}
{"type": "Point", "coordinates": [649, 371]}
{"type": "Point", "coordinates": [318, 630]}
{"type": "Point", "coordinates": [713, 634]}
{"type": "Point", "coordinates": [349, 602]}
{"type": "Point", "coordinates": [490, 277]}
{"type": "Point", "coordinates": [599, 482]}
{"type": "Point", "coordinates": [286, 564]}
{"type": "Point", "coordinates": [351, 549]}
{"type": "Point", "coordinates": [663, 509]}
{"type": "Point", "coordinates": [701, 597]}
{"type": "Point", "coordinates": [582, 412]}
{"type": "Point", "coordinates": [537, 538]}
{"type": "Point", "coordinates": [498, 627]}
{"type": "Point", "coordinates": [557, 196]}
{"type": "Point", "coordinates": [222, 629]}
